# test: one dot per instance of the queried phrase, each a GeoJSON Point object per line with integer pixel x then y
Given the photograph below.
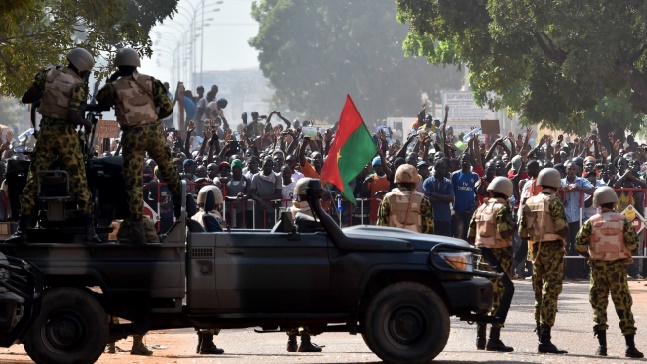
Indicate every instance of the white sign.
{"type": "Point", "coordinates": [463, 108]}
{"type": "Point", "coordinates": [637, 220]}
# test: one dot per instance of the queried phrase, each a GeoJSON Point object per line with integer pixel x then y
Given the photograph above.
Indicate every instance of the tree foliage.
{"type": "Point", "coordinates": [38, 33]}
{"type": "Point", "coordinates": [315, 52]}
{"type": "Point", "coordinates": [554, 61]}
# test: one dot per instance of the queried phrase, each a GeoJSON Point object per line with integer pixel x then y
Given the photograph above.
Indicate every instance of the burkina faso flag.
{"type": "Point", "coordinates": [351, 150]}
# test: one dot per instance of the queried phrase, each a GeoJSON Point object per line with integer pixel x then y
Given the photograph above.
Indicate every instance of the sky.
{"type": "Point", "coordinates": [225, 44]}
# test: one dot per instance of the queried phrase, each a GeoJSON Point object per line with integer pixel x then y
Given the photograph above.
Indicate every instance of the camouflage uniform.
{"type": "Point", "coordinates": [609, 276]}
{"type": "Point", "coordinates": [504, 222]}
{"type": "Point", "coordinates": [548, 265]}
{"type": "Point", "coordinates": [138, 140]}
{"type": "Point", "coordinates": [384, 215]}
{"type": "Point", "coordinates": [58, 138]}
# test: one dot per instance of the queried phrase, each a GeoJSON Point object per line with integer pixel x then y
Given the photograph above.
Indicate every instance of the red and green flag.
{"type": "Point", "coordinates": [349, 153]}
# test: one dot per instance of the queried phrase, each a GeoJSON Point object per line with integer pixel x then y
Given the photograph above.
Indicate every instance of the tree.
{"type": "Point", "coordinates": [315, 52]}
{"type": "Point", "coordinates": [553, 61]}
{"type": "Point", "coordinates": [38, 33]}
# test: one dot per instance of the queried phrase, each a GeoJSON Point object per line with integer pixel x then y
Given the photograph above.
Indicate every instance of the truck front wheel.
{"type": "Point", "coordinates": [406, 322]}
{"type": "Point", "coordinates": [71, 328]}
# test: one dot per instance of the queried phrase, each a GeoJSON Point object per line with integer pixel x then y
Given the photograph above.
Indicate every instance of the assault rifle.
{"type": "Point", "coordinates": [92, 113]}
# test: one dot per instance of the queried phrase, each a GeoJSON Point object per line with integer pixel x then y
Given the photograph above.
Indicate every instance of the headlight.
{"type": "Point", "coordinates": [458, 260]}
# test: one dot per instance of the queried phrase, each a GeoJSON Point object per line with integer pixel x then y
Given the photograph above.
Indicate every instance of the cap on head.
{"type": "Point", "coordinates": [81, 59]}
{"type": "Point", "coordinates": [377, 161]}
{"type": "Point", "coordinates": [604, 195]}
{"type": "Point", "coordinates": [217, 194]}
{"type": "Point", "coordinates": [127, 57]}
{"type": "Point", "coordinates": [300, 187]}
{"type": "Point", "coordinates": [501, 185]}
{"type": "Point", "coordinates": [406, 173]}
{"type": "Point", "coordinates": [549, 177]}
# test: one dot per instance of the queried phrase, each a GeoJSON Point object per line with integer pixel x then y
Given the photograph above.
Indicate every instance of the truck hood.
{"type": "Point", "coordinates": [390, 238]}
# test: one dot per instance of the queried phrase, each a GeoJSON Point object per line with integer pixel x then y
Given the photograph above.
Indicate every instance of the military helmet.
{"type": "Point", "coordinates": [127, 57]}
{"type": "Point", "coordinates": [604, 195]}
{"type": "Point", "coordinates": [549, 177]}
{"type": "Point", "coordinates": [407, 173]}
{"type": "Point", "coordinates": [501, 185]}
{"type": "Point", "coordinates": [217, 194]}
{"type": "Point", "coordinates": [81, 59]}
{"type": "Point", "coordinates": [300, 187]}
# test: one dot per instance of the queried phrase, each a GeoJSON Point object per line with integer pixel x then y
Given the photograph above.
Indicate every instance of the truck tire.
{"type": "Point", "coordinates": [72, 328]}
{"type": "Point", "coordinates": [406, 322]}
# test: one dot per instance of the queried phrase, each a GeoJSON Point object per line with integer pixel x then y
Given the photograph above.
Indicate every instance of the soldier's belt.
{"type": "Point", "coordinates": [140, 126]}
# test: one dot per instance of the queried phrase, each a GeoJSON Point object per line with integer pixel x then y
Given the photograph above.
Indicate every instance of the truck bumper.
{"type": "Point", "coordinates": [470, 296]}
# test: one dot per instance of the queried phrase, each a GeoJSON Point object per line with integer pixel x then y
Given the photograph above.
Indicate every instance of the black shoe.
{"type": "Point", "coordinates": [208, 347]}
{"type": "Point", "coordinates": [494, 343]}
{"type": "Point", "coordinates": [602, 340]}
{"type": "Point", "coordinates": [631, 351]}
{"type": "Point", "coordinates": [481, 333]}
{"type": "Point", "coordinates": [545, 345]}
{"type": "Point", "coordinates": [292, 346]}
{"type": "Point", "coordinates": [20, 236]}
{"type": "Point", "coordinates": [307, 346]}
{"type": "Point", "coordinates": [90, 233]}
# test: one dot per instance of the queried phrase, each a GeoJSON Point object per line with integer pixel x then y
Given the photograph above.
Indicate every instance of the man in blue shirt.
{"type": "Point", "coordinates": [465, 202]}
{"type": "Point", "coordinates": [440, 193]}
{"type": "Point", "coordinates": [575, 187]}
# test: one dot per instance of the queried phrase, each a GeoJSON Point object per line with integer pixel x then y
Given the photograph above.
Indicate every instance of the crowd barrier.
{"type": "Point", "coordinates": [241, 213]}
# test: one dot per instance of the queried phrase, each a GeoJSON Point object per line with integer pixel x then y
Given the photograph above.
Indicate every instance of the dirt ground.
{"type": "Point", "coordinates": [572, 330]}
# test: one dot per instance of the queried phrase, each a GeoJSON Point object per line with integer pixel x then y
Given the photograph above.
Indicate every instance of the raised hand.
{"type": "Point", "coordinates": [207, 132]}
{"type": "Point", "coordinates": [190, 127]}
{"type": "Point", "coordinates": [9, 135]}
{"type": "Point", "coordinates": [227, 136]}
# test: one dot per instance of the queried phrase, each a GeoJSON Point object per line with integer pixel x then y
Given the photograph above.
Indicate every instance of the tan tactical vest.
{"type": "Point", "coordinates": [405, 210]}
{"type": "Point", "coordinates": [198, 217]}
{"type": "Point", "coordinates": [56, 96]}
{"type": "Point", "coordinates": [607, 237]}
{"type": "Point", "coordinates": [538, 220]}
{"type": "Point", "coordinates": [135, 105]}
{"type": "Point", "coordinates": [487, 234]}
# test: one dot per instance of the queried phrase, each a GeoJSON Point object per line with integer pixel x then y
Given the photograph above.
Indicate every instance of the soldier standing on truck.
{"type": "Point", "coordinates": [62, 92]}
{"type": "Point", "coordinates": [545, 226]}
{"type": "Point", "coordinates": [492, 228]}
{"type": "Point", "coordinates": [607, 240]}
{"type": "Point", "coordinates": [404, 207]}
{"type": "Point", "coordinates": [140, 102]}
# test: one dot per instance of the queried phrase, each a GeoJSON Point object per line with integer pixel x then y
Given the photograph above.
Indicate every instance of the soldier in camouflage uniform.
{"type": "Point", "coordinates": [404, 207]}
{"type": "Point", "coordinates": [62, 92]}
{"type": "Point", "coordinates": [607, 240]}
{"type": "Point", "coordinates": [491, 229]}
{"type": "Point", "coordinates": [545, 226]}
{"type": "Point", "coordinates": [140, 102]}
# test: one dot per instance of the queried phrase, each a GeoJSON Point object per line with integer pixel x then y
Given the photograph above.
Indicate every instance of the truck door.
{"type": "Point", "coordinates": [272, 272]}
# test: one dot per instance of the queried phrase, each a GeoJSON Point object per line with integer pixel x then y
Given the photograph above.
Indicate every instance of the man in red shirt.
{"type": "Point", "coordinates": [378, 181]}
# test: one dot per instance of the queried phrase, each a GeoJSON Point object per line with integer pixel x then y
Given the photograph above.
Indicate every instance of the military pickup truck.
{"type": "Point", "coordinates": [396, 288]}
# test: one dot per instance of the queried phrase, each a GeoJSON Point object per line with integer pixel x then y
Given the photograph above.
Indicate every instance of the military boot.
{"type": "Point", "coordinates": [307, 346]}
{"type": "Point", "coordinates": [494, 343]}
{"type": "Point", "coordinates": [136, 235]}
{"type": "Point", "coordinates": [631, 351]}
{"type": "Point", "coordinates": [207, 346]}
{"type": "Point", "coordinates": [138, 346]}
{"type": "Point", "coordinates": [545, 345]}
{"type": "Point", "coordinates": [197, 348]}
{"type": "Point", "coordinates": [293, 346]}
{"type": "Point", "coordinates": [20, 236]}
{"type": "Point", "coordinates": [90, 233]}
{"type": "Point", "coordinates": [538, 331]}
{"type": "Point", "coordinates": [481, 333]}
{"type": "Point", "coordinates": [110, 348]}
{"type": "Point", "coordinates": [602, 341]}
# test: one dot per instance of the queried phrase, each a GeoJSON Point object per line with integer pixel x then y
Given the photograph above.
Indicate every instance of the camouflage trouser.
{"type": "Point", "coordinates": [298, 331]}
{"type": "Point", "coordinates": [611, 277]}
{"type": "Point", "coordinates": [149, 231]}
{"type": "Point", "coordinates": [62, 141]}
{"type": "Point", "coordinates": [136, 141]}
{"type": "Point", "coordinates": [504, 256]}
{"type": "Point", "coordinates": [547, 278]}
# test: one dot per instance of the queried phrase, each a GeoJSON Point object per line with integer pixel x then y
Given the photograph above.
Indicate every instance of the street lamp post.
{"type": "Point", "coordinates": [202, 40]}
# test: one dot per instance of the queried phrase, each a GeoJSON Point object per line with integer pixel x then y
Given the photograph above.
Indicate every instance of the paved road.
{"type": "Point", "coordinates": [573, 332]}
